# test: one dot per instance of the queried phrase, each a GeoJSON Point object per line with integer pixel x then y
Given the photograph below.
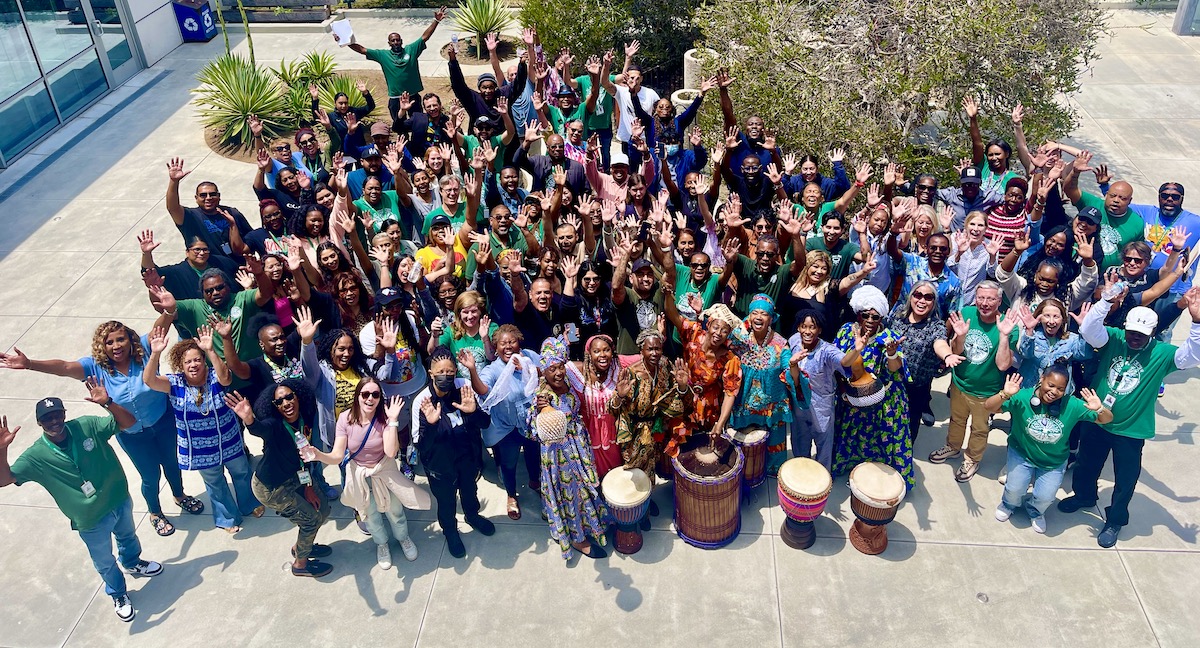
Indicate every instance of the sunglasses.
{"type": "Point", "coordinates": [922, 296]}
{"type": "Point", "coordinates": [922, 187]}
{"type": "Point", "coordinates": [767, 253]}
{"type": "Point", "coordinates": [286, 398]}
{"type": "Point", "coordinates": [208, 194]}
{"type": "Point", "coordinates": [214, 289]}
{"type": "Point", "coordinates": [369, 394]}
{"type": "Point", "coordinates": [939, 248]}
{"type": "Point", "coordinates": [870, 317]}
{"type": "Point", "coordinates": [1169, 196]}
{"type": "Point", "coordinates": [306, 141]}
{"type": "Point", "coordinates": [698, 266]}
{"type": "Point", "coordinates": [285, 147]}
{"type": "Point", "coordinates": [1130, 259]}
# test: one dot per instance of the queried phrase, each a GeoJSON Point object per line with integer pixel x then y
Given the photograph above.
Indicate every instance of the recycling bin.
{"type": "Point", "coordinates": [196, 22]}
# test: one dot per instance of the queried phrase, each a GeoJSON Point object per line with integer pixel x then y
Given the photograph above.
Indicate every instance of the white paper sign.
{"type": "Point", "coordinates": [342, 32]}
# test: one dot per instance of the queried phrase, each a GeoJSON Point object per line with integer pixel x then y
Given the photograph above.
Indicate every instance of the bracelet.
{"type": "Point", "coordinates": [1004, 396]}
{"type": "Point", "coordinates": [108, 404]}
{"type": "Point", "coordinates": [393, 424]}
{"type": "Point", "coordinates": [860, 184]}
{"type": "Point", "coordinates": [894, 356]}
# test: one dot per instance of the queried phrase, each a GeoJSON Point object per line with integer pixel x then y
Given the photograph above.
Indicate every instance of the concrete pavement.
{"type": "Point", "coordinates": [951, 575]}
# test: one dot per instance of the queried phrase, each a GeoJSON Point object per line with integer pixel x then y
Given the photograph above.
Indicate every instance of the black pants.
{"type": "Point", "coordinates": [918, 405]}
{"type": "Point", "coordinates": [1094, 446]}
{"type": "Point", "coordinates": [507, 452]}
{"type": "Point", "coordinates": [461, 481]}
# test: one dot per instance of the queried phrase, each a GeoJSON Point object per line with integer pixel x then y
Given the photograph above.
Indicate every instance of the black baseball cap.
{"type": "Point", "coordinates": [1090, 214]}
{"type": "Point", "coordinates": [970, 175]}
{"type": "Point", "coordinates": [49, 405]}
{"type": "Point", "coordinates": [386, 296]}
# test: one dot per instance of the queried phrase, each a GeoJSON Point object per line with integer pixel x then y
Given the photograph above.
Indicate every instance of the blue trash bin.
{"type": "Point", "coordinates": [196, 22]}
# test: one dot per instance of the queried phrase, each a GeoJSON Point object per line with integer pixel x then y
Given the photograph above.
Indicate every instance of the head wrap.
{"type": "Point", "coordinates": [554, 351]}
{"type": "Point", "coordinates": [869, 298]}
{"type": "Point", "coordinates": [1171, 184]}
{"type": "Point", "coordinates": [587, 346]}
{"type": "Point", "coordinates": [721, 313]}
{"type": "Point", "coordinates": [763, 303]}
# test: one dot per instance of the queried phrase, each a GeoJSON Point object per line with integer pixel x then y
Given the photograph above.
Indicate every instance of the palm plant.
{"type": "Point", "coordinates": [344, 84]}
{"type": "Point", "coordinates": [482, 17]}
{"type": "Point", "coordinates": [231, 89]}
{"type": "Point", "coordinates": [318, 67]}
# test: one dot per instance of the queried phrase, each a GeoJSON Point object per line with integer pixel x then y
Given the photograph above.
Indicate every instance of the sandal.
{"type": "Point", "coordinates": [162, 526]}
{"type": "Point", "coordinates": [258, 512]}
{"type": "Point", "coordinates": [190, 504]}
{"type": "Point", "coordinates": [514, 509]}
{"type": "Point", "coordinates": [231, 530]}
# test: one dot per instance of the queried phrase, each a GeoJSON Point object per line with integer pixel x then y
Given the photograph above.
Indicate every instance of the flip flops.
{"type": "Point", "coordinates": [191, 505]}
{"type": "Point", "coordinates": [162, 526]}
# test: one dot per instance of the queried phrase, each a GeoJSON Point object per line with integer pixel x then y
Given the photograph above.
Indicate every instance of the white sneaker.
{"type": "Point", "coordinates": [410, 549]}
{"type": "Point", "coordinates": [1002, 513]}
{"type": "Point", "coordinates": [1039, 523]}
{"type": "Point", "coordinates": [124, 608]}
{"type": "Point", "coordinates": [1003, 479]}
{"type": "Point", "coordinates": [383, 555]}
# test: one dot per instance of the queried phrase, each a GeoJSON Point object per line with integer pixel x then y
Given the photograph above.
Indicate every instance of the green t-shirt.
{"type": "Point", "coordinates": [472, 343]}
{"type": "Point", "coordinates": [471, 142]}
{"type": "Point", "coordinates": [516, 241]}
{"type": "Point", "coordinates": [1039, 435]}
{"type": "Point", "coordinates": [401, 71]}
{"type": "Point", "coordinates": [559, 120]}
{"type": "Point", "coordinates": [841, 256]}
{"type": "Point", "coordinates": [239, 309]}
{"type": "Point", "coordinates": [978, 375]}
{"type": "Point", "coordinates": [601, 118]}
{"type": "Point", "coordinates": [85, 478]}
{"type": "Point", "coordinates": [456, 219]}
{"type": "Point", "coordinates": [388, 209]}
{"type": "Point", "coordinates": [684, 286]}
{"type": "Point", "coordinates": [1132, 379]}
{"type": "Point", "coordinates": [1115, 231]}
{"type": "Point", "coordinates": [990, 180]}
{"type": "Point", "coordinates": [751, 283]}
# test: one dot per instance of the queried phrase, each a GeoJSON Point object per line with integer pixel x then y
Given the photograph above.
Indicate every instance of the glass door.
{"type": "Point", "coordinates": [108, 28]}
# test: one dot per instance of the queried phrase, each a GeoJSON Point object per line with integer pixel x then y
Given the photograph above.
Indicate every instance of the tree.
{"type": "Point", "coordinates": [885, 78]}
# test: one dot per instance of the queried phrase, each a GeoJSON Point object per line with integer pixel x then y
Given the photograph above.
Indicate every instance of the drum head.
{"type": "Point", "coordinates": [748, 436]}
{"type": "Point", "coordinates": [626, 486]}
{"type": "Point", "coordinates": [877, 484]}
{"type": "Point", "coordinates": [805, 477]}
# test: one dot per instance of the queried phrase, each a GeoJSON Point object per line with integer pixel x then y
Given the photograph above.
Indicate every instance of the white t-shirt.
{"type": "Point", "coordinates": [646, 97]}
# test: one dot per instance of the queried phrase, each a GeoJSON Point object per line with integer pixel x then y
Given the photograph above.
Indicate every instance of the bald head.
{"type": "Point", "coordinates": [1116, 201]}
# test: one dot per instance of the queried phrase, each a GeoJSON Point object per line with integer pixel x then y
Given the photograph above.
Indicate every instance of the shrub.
{"type": "Point", "coordinates": [345, 84]}
{"type": "Point", "coordinates": [316, 68]}
{"type": "Point", "coordinates": [481, 17]}
{"type": "Point", "coordinates": [885, 77]}
{"type": "Point", "coordinates": [231, 89]}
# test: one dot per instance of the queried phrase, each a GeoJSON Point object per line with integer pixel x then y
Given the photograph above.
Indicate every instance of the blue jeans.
{"type": "Point", "coordinates": [1045, 485]}
{"type": "Point", "coordinates": [227, 513]}
{"type": "Point", "coordinates": [118, 524]}
{"type": "Point", "coordinates": [153, 453]}
{"type": "Point", "coordinates": [377, 523]}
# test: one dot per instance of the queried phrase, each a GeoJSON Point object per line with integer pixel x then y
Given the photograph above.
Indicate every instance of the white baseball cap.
{"type": "Point", "coordinates": [1141, 320]}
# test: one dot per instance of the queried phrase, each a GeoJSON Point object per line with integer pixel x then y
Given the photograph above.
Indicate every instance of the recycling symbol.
{"type": "Point", "coordinates": [208, 22]}
{"type": "Point", "coordinates": [190, 25]}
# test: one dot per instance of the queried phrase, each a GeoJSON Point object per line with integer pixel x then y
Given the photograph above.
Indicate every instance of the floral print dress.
{"type": "Point", "coordinates": [711, 380]}
{"type": "Point", "coordinates": [767, 390]}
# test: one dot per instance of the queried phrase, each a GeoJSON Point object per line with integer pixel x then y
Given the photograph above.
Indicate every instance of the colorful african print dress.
{"type": "Point", "coordinates": [600, 424]}
{"type": "Point", "coordinates": [711, 380]}
{"type": "Point", "coordinates": [880, 432]}
{"type": "Point", "coordinates": [643, 421]}
{"type": "Point", "coordinates": [570, 488]}
{"type": "Point", "coordinates": [767, 390]}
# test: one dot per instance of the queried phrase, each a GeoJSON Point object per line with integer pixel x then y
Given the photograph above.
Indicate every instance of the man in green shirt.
{"type": "Point", "coordinates": [75, 463]}
{"type": "Point", "coordinates": [401, 69]}
{"type": "Point", "coordinates": [833, 242]}
{"type": "Point", "coordinates": [190, 314]}
{"type": "Point", "coordinates": [762, 275]}
{"type": "Point", "coordinates": [1132, 364]}
{"type": "Point", "coordinates": [1118, 224]}
{"type": "Point", "coordinates": [503, 236]}
{"type": "Point", "coordinates": [982, 348]}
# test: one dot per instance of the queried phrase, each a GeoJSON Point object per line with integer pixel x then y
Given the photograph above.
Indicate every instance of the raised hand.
{"type": "Point", "coordinates": [146, 242]}
{"type": "Point", "coordinates": [492, 40]}
{"type": "Point", "coordinates": [467, 403]}
{"type": "Point", "coordinates": [1085, 248]}
{"type": "Point", "coordinates": [157, 339]}
{"type": "Point", "coordinates": [958, 324]}
{"type": "Point", "coordinates": [790, 161]}
{"type": "Point", "coordinates": [263, 160]}
{"type": "Point", "coordinates": [1012, 384]}
{"type": "Point", "coordinates": [1178, 237]}
{"type": "Point", "coordinates": [96, 392]}
{"type": "Point", "coordinates": [632, 48]}
{"type": "Point", "coordinates": [305, 326]}
{"type": "Point", "coordinates": [466, 358]}
{"type": "Point", "coordinates": [391, 331]}
{"type": "Point", "coordinates": [395, 405]}
{"type": "Point", "coordinates": [14, 360]}
{"type": "Point", "coordinates": [1007, 323]}
{"type": "Point", "coordinates": [432, 413]}
{"type": "Point", "coordinates": [1021, 240]}
{"type": "Point", "coordinates": [970, 107]}
{"type": "Point", "coordinates": [255, 124]}
{"type": "Point", "coordinates": [204, 339]}
{"type": "Point", "coordinates": [864, 173]}
{"type": "Point", "coordinates": [893, 345]}
{"type": "Point", "coordinates": [1018, 113]}
{"type": "Point", "coordinates": [570, 267]}
{"type": "Point", "coordinates": [733, 138]}
{"type": "Point", "coordinates": [240, 406]}
{"type": "Point", "coordinates": [773, 174]}
{"type": "Point", "coordinates": [1102, 174]}
{"type": "Point", "coordinates": [6, 435]}
{"type": "Point", "coordinates": [175, 171]}
{"type": "Point", "coordinates": [222, 326]}
{"type": "Point", "coordinates": [624, 384]}
{"type": "Point", "coordinates": [682, 375]}
{"type": "Point", "coordinates": [836, 155]}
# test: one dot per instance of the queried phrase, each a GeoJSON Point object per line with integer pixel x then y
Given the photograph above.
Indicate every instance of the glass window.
{"type": "Point", "coordinates": [26, 117]}
{"type": "Point", "coordinates": [75, 84]}
{"type": "Point", "coordinates": [58, 28]}
{"type": "Point", "coordinates": [17, 65]}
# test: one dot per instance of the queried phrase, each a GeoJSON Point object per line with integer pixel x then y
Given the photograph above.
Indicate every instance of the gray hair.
{"type": "Point", "coordinates": [904, 308]}
{"type": "Point", "coordinates": [646, 335]}
{"type": "Point", "coordinates": [989, 284]}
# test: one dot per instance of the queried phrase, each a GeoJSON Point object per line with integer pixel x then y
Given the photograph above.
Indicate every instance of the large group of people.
{"type": "Point", "coordinates": [556, 268]}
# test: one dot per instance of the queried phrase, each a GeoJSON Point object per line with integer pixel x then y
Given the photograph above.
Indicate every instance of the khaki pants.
{"type": "Point", "coordinates": [963, 406]}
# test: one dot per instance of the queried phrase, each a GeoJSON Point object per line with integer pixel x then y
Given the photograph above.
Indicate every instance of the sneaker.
{"type": "Point", "coordinates": [481, 524]}
{"type": "Point", "coordinates": [144, 568]}
{"type": "Point", "coordinates": [331, 492]}
{"type": "Point", "coordinates": [1002, 513]}
{"type": "Point", "coordinates": [1003, 478]}
{"type": "Point", "coordinates": [410, 549]}
{"type": "Point", "coordinates": [966, 471]}
{"type": "Point", "coordinates": [317, 551]}
{"type": "Point", "coordinates": [312, 569]}
{"type": "Point", "coordinates": [1108, 536]}
{"type": "Point", "coordinates": [454, 545]}
{"type": "Point", "coordinates": [362, 526]}
{"type": "Point", "coordinates": [1072, 504]}
{"type": "Point", "coordinates": [124, 608]}
{"type": "Point", "coordinates": [1039, 524]}
{"type": "Point", "coordinates": [942, 454]}
{"type": "Point", "coordinates": [927, 419]}
{"type": "Point", "coordinates": [383, 556]}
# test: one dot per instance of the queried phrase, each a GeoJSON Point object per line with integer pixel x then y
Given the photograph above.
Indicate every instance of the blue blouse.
{"type": "Point", "coordinates": [130, 391]}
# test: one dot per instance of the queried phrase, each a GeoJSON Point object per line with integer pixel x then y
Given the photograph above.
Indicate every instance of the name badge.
{"type": "Point", "coordinates": [88, 489]}
{"type": "Point", "coordinates": [304, 477]}
{"type": "Point", "coordinates": [1109, 400]}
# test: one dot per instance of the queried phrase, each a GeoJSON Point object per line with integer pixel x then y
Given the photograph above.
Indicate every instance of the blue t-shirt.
{"type": "Point", "coordinates": [130, 391]}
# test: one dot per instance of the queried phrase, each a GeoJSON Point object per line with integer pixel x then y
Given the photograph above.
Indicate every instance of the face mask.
{"type": "Point", "coordinates": [444, 384]}
{"type": "Point", "coordinates": [672, 150]}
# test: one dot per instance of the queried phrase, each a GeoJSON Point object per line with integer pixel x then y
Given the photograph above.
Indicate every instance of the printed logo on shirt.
{"type": "Point", "coordinates": [978, 346]}
{"type": "Point", "coordinates": [647, 314]}
{"type": "Point", "coordinates": [1124, 374]}
{"type": "Point", "coordinates": [89, 445]}
{"type": "Point", "coordinates": [1044, 429]}
{"type": "Point", "coordinates": [1110, 239]}
{"type": "Point", "coordinates": [235, 313]}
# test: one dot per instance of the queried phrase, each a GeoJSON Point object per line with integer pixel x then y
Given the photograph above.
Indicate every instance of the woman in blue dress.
{"type": "Point", "coordinates": [768, 389]}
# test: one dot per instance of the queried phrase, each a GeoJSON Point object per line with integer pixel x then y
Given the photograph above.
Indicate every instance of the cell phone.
{"type": "Point", "coordinates": [572, 333]}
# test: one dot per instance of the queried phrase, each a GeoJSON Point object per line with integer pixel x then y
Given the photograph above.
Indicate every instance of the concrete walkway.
{"type": "Point", "coordinates": [953, 575]}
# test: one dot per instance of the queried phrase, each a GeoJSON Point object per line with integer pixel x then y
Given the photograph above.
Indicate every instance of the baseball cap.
{"type": "Point", "coordinates": [1141, 320]}
{"type": "Point", "coordinates": [484, 120]}
{"type": "Point", "coordinates": [386, 296]}
{"type": "Point", "coordinates": [48, 405]}
{"type": "Point", "coordinates": [618, 158]}
{"type": "Point", "coordinates": [368, 152]}
{"type": "Point", "coordinates": [440, 219]}
{"type": "Point", "coordinates": [970, 175]}
{"type": "Point", "coordinates": [640, 264]}
{"type": "Point", "coordinates": [1090, 214]}
{"type": "Point", "coordinates": [380, 128]}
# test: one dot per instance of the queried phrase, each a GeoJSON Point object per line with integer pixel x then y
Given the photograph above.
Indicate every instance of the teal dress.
{"type": "Point", "coordinates": [767, 390]}
{"type": "Point", "coordinates": [878, 433]}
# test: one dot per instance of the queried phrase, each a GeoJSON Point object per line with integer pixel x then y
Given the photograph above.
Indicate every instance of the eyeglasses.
{"type": "Point", "coordinates": [286, 398]}
{"type": "Point", "coordinates": [591, 280]}
{"type": "Point", "coordinates": [199, 250]}
{"type": "Point", "coordinates": [214, 289]}
{"type": "Point", "coordinates": [1137, 260]}
{"type": "Point", "coordinates": [870, 317]}
{"type": "Point", "coordinates": [369, 394]}
{"type": "Point", "coordinates": [283, 147]}
{"type": "Point", "coordinates": [1162, 195]}
{"type": "Point", "coordinates": [920, 296]}
{"type": "Point", "coordinates": [208, 194]}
